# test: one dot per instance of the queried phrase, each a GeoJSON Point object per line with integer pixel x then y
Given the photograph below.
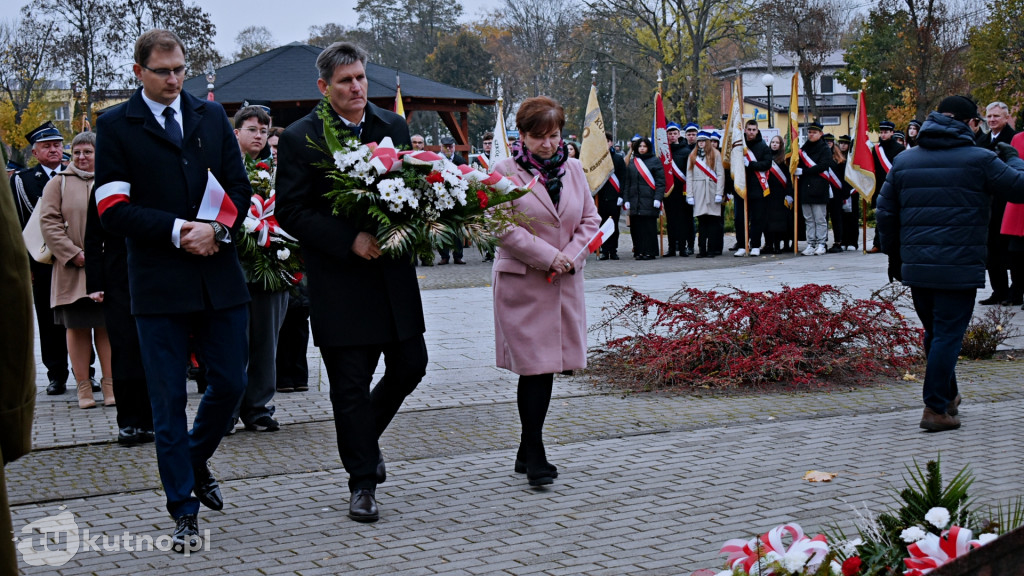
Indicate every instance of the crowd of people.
{"type": "Point", "coordinates": [138, 275]}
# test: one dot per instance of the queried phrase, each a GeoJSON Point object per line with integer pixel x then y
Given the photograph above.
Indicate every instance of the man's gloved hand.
{"type": "Point", "coordinates": [618, 201]}
{"type": "Point", "coordinates": [718, 199]}
{"type": "Point", "coordinates": [626, 205]}
{"type": "Point", "coordinates": [657, 203]}
{"type": "Point", "coordinates": [799, 171]}
{"type": "Point", "coordinates": [689, 199]}
{"type": "Point", "coordinates": [746, 161]}
{"type": "Point", "coordinates": [1006, 152]}
{"type": "Point", "coordinates": [789, 202]}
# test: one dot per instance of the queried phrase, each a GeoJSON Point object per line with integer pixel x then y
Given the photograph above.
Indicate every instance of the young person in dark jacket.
{"type": "Point", "coordinates": [840, 196]}
{"type": "Point", "coordinates": [756, 204]}
{"type": "Point", "coordinates": [779, 220]}
{"type": "Point", "coordinates": [678, 214]}
{"type": "Point", "coordinates": [644, 193]}
{"type": "Point", "coordinates": [814, 188]}
{"type": "Point", "coordinates": [942, 190]}
{"type": "Point", "coordinates": [885, 152]}
{"type": "Point", "coordinates": [609, 200]}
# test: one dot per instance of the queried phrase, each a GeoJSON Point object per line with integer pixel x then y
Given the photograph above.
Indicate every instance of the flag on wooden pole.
{"type": "Point", "coordinates": [594, 154]}
{"type": "Point", "coordinates": [659, 137]}
{"type": "Point", "coordinates": [860, 172]}
{"type": "Point", "coordinates": [737, 144]}
{"type": "Point", "coordinates": [399, 107]}
{"type": "Point", "coordinates": [499, 146]}
{"type": "Point", "coordinates": [794, 125]}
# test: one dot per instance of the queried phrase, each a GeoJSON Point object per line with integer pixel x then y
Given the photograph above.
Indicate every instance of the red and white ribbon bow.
{"type": "Point", "coordinates": [934, 551]}
{"type": "Point", "coordinates": [261, 220]}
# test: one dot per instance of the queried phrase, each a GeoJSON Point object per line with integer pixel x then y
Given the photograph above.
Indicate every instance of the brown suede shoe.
{"type": "Point", "coordinates": [953, 409]}
{"type": "Point", "coordinates": [932, 421]}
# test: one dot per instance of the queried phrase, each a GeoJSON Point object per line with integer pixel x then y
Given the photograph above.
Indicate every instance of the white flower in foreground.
{"type": "Point", "coordinates": [283, 254]}
{"type": "Point", "coordinates": [249, 224]}
{"type": "Point", "coordinates": [263, 174]}
{"type": "Point", "coordinates": [913, 534]}
{"type": "Point", "coordinates": [794, 561]}
{"type": "Point", "coordinates": [938, 517]}
{"type": "Point", "coordinates": [850, 547]}
{"type": "Point", "coordinates": [986, 538]}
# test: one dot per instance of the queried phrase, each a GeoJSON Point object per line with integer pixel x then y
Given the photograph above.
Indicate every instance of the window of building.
{"type": "Point", "coordinates": [827, 85]}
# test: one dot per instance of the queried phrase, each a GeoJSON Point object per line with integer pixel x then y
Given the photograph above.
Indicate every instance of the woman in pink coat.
{"type": "Point", "coordinates": [540, 326]}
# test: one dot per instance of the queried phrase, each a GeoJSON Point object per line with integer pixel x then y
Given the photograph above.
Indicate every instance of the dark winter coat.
{"type": "Point", "coordinates": [933, 209]}
{"type": "Point", "coordinates": [762, 163]}
{"type": "Point", "coordinates": [638, 193]}
{"type": "Point", "coordinates": [607, 195]}
{"type": "Point", "coordinates": [813, 187]}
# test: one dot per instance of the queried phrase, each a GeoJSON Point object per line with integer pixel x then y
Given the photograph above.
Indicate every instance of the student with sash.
{"type": "Point", "coordinates": [644, 193]}
{"type": "Point", "coordinates": [779, 222]}
{"type": "Point", "coordinates": [814, 188]}
{"type": "Point", "coordinates": [705, 191]}
{"type": "Point", "coordinates": [885, 152]}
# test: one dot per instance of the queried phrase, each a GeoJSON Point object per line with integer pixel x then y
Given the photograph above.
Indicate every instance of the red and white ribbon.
{"type": "Point", "coordinates": [702, 165]}
{"type": "Point", "coordinates": [644, 172]}
{"type": "Point", "coordinates": [779, 173]}
{"type": "Point", "coordinates": [615, 182]}
{"type": "Point", "coordinates": [761, 176]}
{"type": "Point", "coordinates": [934, 551]}
{"type": "Point", "coordinates": [261, 220]}
{"type": "Point", "coordinates": [112, 193]}
{"type": "Point", "coordinates": [883, 159]}
{"type": "Point", "coordinates": [679, 172]}
{"type": "Point", "coordinates": [828, 175]}
{"type": "Point", "coordinates": [385, 158]}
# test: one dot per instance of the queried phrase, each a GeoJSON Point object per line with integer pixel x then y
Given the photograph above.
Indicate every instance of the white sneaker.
{"type": "Point", "coordinates": [809, 251]}
{"type": "Point", "coordinates": [755, 251]}
{"type": "Point", "coordinates": [740, 252]}
{"type": "Point", "coordinates": [820, 250]}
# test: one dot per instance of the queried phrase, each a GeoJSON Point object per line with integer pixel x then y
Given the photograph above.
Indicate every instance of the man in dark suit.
{"type": "Point", "coordinates": [362, 305]}
{"type": "Point", "coordinates": [48, 148]}
{"type": "Point", "coordinates": [997, 115]}
{"type": "Point", "coordinates": [157, 155]}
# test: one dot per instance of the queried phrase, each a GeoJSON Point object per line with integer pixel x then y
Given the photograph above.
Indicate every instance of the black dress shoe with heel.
{"type": "Point", "coordinates": [206, 488]}
{"type": "Point", "coordinates": [363, 506]}
{"type": "Point", "coordinates": [992, 300]}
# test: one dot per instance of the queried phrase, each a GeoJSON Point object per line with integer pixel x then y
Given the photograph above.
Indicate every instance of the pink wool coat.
{"type": "Point", "coordinates": [541, 328]}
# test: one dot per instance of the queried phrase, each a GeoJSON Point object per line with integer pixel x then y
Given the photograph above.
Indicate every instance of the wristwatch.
{"type": "Point", "coordinates": [220, 233]}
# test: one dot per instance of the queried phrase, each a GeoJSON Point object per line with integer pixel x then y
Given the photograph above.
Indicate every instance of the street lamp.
{"type": "Point", "coordinates": [211, 77]}
{"type": "Point", "coordinates": [768, 80]}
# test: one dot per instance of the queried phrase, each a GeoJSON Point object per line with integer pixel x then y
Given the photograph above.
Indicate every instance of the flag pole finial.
{"type": "Point", "coordinates": [593, 73]}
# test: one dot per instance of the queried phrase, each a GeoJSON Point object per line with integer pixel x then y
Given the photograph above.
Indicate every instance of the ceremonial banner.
{"type": "Point", "coordinates": [737, 146]}
{"type": "Point", "coordinates": [860, 171]}
{"type": "Point", "coordinates": [794, 124]}
{"type": "Point", "coordinates": [594, 154]}
{"type": "Point", "coordinates": [499, 146]}
{"type": "Point", "coordinates": [659, 137]}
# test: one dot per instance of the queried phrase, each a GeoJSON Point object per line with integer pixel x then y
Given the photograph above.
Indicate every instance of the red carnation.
{"type": "Point", "coordinates": [851, 566]}
{"type": "Point", "coordinates": [483, 198]}
{"type": "Point", "coordinates": [435, 177]}
{"type": "Point", "coordinates": [263, 166]}
{"type": "Point", "coordinates": [298, 277]}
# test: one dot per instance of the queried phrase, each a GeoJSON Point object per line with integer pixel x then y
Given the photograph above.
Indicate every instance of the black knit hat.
{"type": "Point", "coordinates": [960, 108]}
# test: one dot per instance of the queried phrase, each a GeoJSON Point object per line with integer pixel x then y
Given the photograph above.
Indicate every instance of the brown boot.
{"type": "Point", "coordinates": [107, 386]}
{"type": "Point", "coordinates": [932, 421]}
{"type": "Point", "coordinates": [85, 399]}
{"type": "Point", "coordinates": [953, 408]}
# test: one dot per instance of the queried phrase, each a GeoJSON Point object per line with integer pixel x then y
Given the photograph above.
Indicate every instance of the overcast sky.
{"type": "Point", "coordinates": [289, 20]}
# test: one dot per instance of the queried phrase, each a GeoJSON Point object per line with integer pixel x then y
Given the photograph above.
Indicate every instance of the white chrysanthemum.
{"type": "Point", "coordinates": [263, 174]}
{"type": "Point", "coordinates": [836, 568]}
{"type": "Point", "coordinates": [339, 160]}
{"type": "Point", "coordinates": [249, 224]}
{"type": "Point", "coordinates": [913, 534]}
{"type": "Point", "coordinates": [850, 547]}
{"type": "Point", "coordinates": [283, 254]}
{"type": "Point", "coordinates": [794, 561]}
{"type": "Point", "coordinates": [987, 537]}
{"type": "Point", "coordinates": [938, 517]}
{"type": "Point", "coordinates": [413, 202]}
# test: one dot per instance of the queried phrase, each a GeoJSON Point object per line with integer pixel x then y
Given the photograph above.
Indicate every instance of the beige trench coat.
{"type": "Point", "coordinates": [63, 223]}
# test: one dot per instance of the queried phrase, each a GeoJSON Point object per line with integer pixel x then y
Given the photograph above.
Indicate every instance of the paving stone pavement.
{"type": "Point", "coordinates": [648, 483]}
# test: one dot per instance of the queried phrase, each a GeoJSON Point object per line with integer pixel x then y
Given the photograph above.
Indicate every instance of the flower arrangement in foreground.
{"type": "Point", "coordinates": [931, 528]}
{"type": "Point", "coordinates": [268, 254]}
{"type": "Point", "coordinates": [415, 202]}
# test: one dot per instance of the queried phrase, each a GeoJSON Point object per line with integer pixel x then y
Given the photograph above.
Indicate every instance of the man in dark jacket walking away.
{"type": "Point", "coordinates": [933, 213]}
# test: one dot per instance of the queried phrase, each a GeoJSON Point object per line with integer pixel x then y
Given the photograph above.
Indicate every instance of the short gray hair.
{"type": "Point", "coordinates": [998, 105]}
{"type": "Point", "coordinates": [339, 54]}
{"type": "Point", "coordinates": [84, 138]}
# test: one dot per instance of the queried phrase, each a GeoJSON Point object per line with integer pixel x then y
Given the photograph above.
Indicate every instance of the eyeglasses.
{"type": "Point", "coordinates": [165, 72]}
{"type": "Point", "coordinates": [254, 130]}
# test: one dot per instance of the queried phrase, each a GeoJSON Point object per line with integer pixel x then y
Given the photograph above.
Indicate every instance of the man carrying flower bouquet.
{"type": "Point", "coordinates": [362, 304]}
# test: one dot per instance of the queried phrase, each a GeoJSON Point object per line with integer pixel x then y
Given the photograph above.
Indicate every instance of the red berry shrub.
{"type": "Point", "coordinates": [737, 338]}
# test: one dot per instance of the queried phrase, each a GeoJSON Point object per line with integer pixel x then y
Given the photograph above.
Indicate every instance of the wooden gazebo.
{"type": "Point", "coordinates": [286, 77]}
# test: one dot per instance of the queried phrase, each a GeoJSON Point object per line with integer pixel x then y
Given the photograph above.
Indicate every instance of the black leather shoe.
{"type": "Point", "coordinates": [1012, 302]}
{"type": "Point", "coordinates": [128, 436]}
{"type": "Point", "coordinates": [603, 257]}
{"type": "Point", "coordinates": [992, 300]}
{"type": "Point", "coordinates": [615, 256]}
{"type": "Point", "coordinates": [460, 261]}
{"type": "Point", "coordinates": [186, 534]}
{"type": "Point", "coordinates": [56, 388]}
{"type": "Point", "coordinates": [669, 255]}
{"type": "Point", "coordinates": [442, 262]}
{"type": "Point", "coordinates": [363, 506]}
{"type": "Point", "coordinates": [689, 251]}
{"type": "Point", "coordinates": [206, 487]}
{"type": "Point", "coordinates": [382, 471]}
{"type": "Point", "coordinates": [146, 436]}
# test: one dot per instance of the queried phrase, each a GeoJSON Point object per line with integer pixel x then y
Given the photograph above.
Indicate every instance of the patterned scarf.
{"type": "Point", "coordinates": [550, 171]}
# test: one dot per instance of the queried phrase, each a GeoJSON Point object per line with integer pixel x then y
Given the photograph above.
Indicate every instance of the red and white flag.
{"type": "Point", "coordinates": [216, 204]}
{"type": "Point", "coordinates": [602, 236]}
{"type": "Point", "coordinates": [660, 141]}
{"type": "Point", "coordinates": [860, 172]}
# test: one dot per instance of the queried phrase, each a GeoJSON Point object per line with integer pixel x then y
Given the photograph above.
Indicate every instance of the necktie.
{"type": "Point", "coordinates": [172, 127]}
{"type": "Point", "coordinates": [356, 129]}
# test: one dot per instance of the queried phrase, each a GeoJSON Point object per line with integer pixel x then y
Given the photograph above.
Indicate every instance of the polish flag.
{"type": "Point", "coordinates": [603, 234]}
{"type": "Point", "coordinates": [216, 204]}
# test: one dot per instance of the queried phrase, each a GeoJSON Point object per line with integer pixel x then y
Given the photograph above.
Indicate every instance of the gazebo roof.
{"type": "Point", "coordinates": [288, 74]}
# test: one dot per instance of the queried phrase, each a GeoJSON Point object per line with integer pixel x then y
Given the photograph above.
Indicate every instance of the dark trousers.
{"type": "Point", "coordinates": [266, 314]}
{"type": "Point", "coordinates": [757, 206]}
{"type": "Point", "coordinates": [675, 224]}
{"type": "Point", "coordinates": [361, 415]}
{"type": "Point", "coordinates": [221, 338]}
{"type": "Point", "coordinates": [130, 389]}
{"type": "Point", "coordinates": [292, 343]}
{"type": "Point", "coordinates": [645, 235]}
{"type": "Point", "coordinates": [711, 231]}
{"type": "Point", "coordinates": [998, 263]}
{"type": "Point", "coordinates": [835, 216]}
{"type": "Point", "coordinates": [446, 254]}
{"type": "Point", "coordinates": [611, 246]}
{"type": "Point", "coordinates": [851, 223]}
{"type": "Point", "coordinates": [945, 315]}
{"type": "Point", "coordinates": [53, 342]}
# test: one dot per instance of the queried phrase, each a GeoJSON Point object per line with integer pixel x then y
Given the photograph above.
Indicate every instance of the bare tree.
{"type": "Point", "coordinates": [810, 31]}
{"type": "Point", "coordinates": [26, 58]}
{"type": "Point", "coordinates": [253, 40]}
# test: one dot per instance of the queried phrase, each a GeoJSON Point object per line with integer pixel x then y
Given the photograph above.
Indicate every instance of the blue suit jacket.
{"type": "Point", "coordinates": [167, 182]}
